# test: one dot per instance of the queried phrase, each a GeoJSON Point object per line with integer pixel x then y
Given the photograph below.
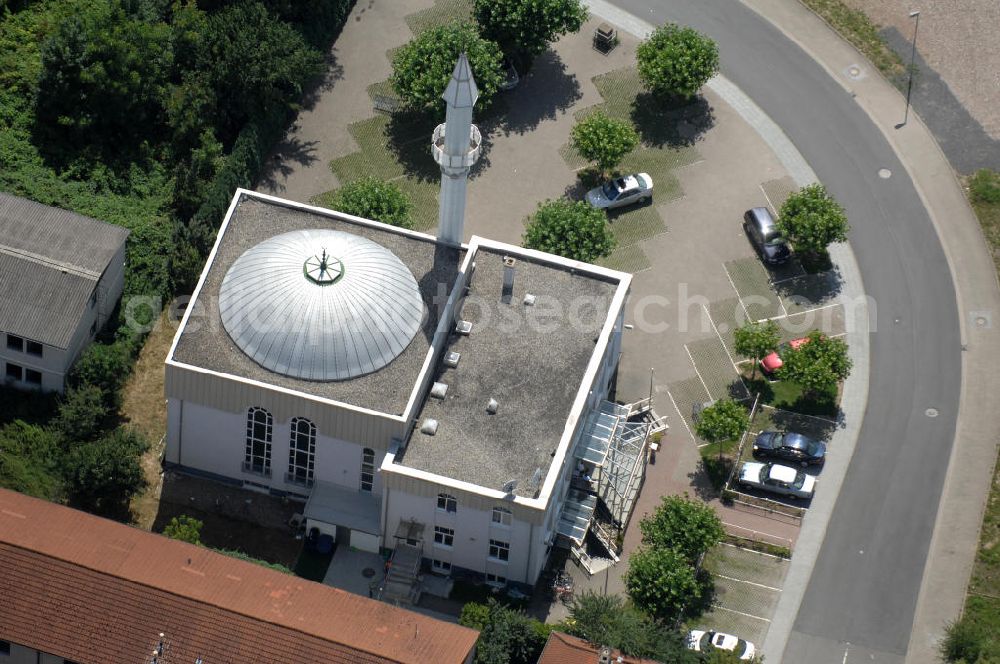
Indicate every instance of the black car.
{"type": "Point", "coordinates": [790, 447]}
{"type": "Point", "coordinates": [763, 233]}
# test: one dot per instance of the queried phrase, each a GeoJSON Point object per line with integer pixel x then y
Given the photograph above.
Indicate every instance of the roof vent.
{"type": "Point", "coordinates": [604, 656]}
{"type": "Point", "coordinates": [492, 406]}
{"type": "Point", "coordinates": [463, 327]}
{"type": "Point", "coordinates": [429, 427]}
{"type": "Point", "coordinates": [452, 357]}
{"type": "Point", "coordinates": [529, 299]}
{"type": "Point", "coordinates": [439, 390]}
{"type": "Point", "coordinates": [508, 278]}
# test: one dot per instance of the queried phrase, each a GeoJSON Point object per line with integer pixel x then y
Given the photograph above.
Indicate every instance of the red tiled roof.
{"type": "Point", "coordinates": [95, 591]}
{"type": "Point", "coordinates": [565, 649]}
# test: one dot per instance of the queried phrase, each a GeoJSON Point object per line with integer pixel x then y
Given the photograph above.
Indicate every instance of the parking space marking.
{"type": "Point", "coordinates": [800, 313]}
{"type": "Point", "coordinates": [680, 415]}
{"type": "Point", "coordinates": [693, 364]}
{"type": "Point", "coordinates": [750, 583]}
{"type": "Point", "coordinates": [739, 297]}
{"type": "Point", "coordinates": [759, 553]}
{"type": "Point", "coordinates": [722, 341]}
{"type": "Point", "coordinates": [748, 615]}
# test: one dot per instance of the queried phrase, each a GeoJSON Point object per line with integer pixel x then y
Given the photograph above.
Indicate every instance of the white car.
{"type": "Point", "coordinates": [628, 189]}
{"type": "Point", "coordinates": [776, 478]}
{"type": "Point", "coordinates": [705, 641]}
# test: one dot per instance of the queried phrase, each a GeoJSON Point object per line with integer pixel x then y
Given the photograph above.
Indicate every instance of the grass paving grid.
{"type": "Point", "coordinates": [657, 155]}
{"type": "Point", "coordinates": [716, 369]}
{"type": "Point", "coordinates": [753, 285]}
{"type": "Point", "coordinates": [685, 394]}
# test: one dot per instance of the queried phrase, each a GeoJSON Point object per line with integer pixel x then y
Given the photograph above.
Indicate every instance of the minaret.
{"type": "Point", "coordinates": [455, 146]}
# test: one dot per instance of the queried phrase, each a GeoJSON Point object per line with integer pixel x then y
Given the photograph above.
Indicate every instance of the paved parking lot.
{"type": "Point", "coordinates": [747, 586]}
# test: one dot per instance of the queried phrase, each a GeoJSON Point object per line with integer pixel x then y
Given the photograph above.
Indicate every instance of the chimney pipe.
{"type": "Point", "coordinates": [508, 278]}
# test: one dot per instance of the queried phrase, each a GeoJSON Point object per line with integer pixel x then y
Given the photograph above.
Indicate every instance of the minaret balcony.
{"type": "Point", "coordinates": [456, 161]}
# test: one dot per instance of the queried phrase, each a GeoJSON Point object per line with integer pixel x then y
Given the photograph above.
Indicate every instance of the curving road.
{"type": "Point", "coordinates": [860, 601]}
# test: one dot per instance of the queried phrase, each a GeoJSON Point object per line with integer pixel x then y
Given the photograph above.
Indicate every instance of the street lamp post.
{"type": "Point", "coordinates": [913, 55]}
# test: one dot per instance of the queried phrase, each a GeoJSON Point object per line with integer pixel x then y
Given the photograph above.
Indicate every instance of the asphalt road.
{"type": "Point", "coordinates": [861, 598]}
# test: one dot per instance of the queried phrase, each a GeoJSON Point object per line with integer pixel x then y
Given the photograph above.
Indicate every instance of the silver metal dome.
{"type": "Point", "coordinates": [320, 305]}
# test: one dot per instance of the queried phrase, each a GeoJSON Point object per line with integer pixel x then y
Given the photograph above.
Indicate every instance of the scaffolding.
{"type": "Point", "coordinates": [611, 466]}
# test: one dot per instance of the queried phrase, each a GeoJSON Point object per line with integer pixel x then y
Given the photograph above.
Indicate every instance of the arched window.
{"type": "Point", "coordinates": [301, 452]}
{"type": "Point", "coordinates": [367, 469]}
{"type": "Point", "coordinates": [257, 459]}
{"type": "Point", "coordinates": [447, 503]}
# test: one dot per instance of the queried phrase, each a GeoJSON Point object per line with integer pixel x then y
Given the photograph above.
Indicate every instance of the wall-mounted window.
{"type": "Point", "coordinates": [367, 469]}
{"type": "Point", "coordinates": [15, 343]}
{"type": "Point", "coordinates": [257, 458]}
{"type": "Point", "coordinates": [444, 536]}
{"type": "Point", "coordinates": [32, 377]}
{"type": "Point", "coordinates": [441, 566]}
{"type": "Point", "coordinates": [501, 516]}
{"type": "Point", "coordinates": [14, 372]}
{"type": "Point", "coordinates": [301, 452]}
{"type": "Point", "coordinates": [4, 647]}
{"type": "Point", "coordinates": [499, 550]}
{"type": "Point", "coordinates": [34, 348]}
{"type": "Point", "coordinates": [447, 503]}
{"type": "Point", "coordinates": [496, 579]}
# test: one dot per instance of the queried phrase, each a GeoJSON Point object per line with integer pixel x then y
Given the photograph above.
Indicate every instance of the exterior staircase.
{"type": "Point", "coordinates": [402, 585]}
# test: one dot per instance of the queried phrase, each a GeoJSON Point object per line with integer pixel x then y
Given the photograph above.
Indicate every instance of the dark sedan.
{"type": "Point", "coordinates": [789, 446]}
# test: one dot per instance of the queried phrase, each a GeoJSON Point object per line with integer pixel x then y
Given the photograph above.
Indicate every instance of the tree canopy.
{"type": "Point", "coordinates": [422, 68]}
{"type": "Point", "coordinates": [724, 420]}
{"type": "Point", "coordinates": [687, 526]}
{"type": "Point", "coordinates": [604, 140]}
{"type": "Point", "coordinates": [506, 635]}
{"type": "Point", "coordinates": [755, 340]}
{"type": "Point", "coordinates": [373, 198]}
{"type": "Point", "coordinates": [609, 620]}
{"type": "Point", "coordinates": [817, 365]}
{"type": "Point", "coordinates": [184, 528]}
{"type": "Point", "coordinates": [677, 61]}
{"type": "Point", "coordinates": [524, 29]}
{"type": "Point", "coordinates": [662, 583]}
{"type": "Point", "coordinates": [102, 476]}
{"type": "Point", "coordinates": [570, 229]}
{"type": "Point", "coordinates": [812, 220]}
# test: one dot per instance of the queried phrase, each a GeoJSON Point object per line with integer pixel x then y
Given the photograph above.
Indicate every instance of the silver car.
{"type": "Point", "coordinates": [776, 478]}
{"type": "Point", "coordinates": [626, 190]}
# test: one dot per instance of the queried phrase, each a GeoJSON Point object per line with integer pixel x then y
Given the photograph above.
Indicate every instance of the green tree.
{"type": "Point", "coordinates": [755, 340]}
{"type": "Point", "coordinates": [817, 365]}
{"type": "Point", "coordinates": [604, 140]}
{"type": "Point", "coordinates": [812, 220]}
{"type": "Point", "coordinates": [524, 28]}
{"type": "Point", "coordinates": [373, 198]}
{"type": "Point", "coordinates": [422, 68]}
{"type": "Point", "coordinates": [82, 412]}
{"type": "Point", "coordinates": [687, 526]}
{"type": "Point", "coordinates": [507, 636]}
{"type": "Point", "coordinates": [184, 528]}
{"type": "Point", "coordinates": [570, 229]}
{"type": "Point", "coordinates": [724, 420]}
{"type": "Point", "coordinates": [608, 620]}
{"type": "Point", "coordinates": [677, 61]}
{"type": "Point", "coordinates": [105, 366]}
{"type": "Point", "coordinates": [29, 460]}
{"type": "Point", "coordinates": [103, 476]}
{"type": "Point", "coordinates": [662, 583]}
{"type": "Point", "coordinates": [102, 80]}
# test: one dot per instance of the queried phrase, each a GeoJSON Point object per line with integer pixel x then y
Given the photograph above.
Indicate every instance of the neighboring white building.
{"type": "Point", "coordinates": [445, 401]}
{"type": "Point", "coordinates": [61, 275]}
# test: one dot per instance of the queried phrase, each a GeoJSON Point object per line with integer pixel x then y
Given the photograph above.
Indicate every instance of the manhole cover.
{"type": "Point", "coordinates": [931, 412]}
{"type": "Point", "coordinates": [980, 321]}
{"type": "Point", "coordinates": [884, 173]}
{"type": "Point", "coordinates": [854, 72]}
{"type": "Point", "coordinates": [368, 572]}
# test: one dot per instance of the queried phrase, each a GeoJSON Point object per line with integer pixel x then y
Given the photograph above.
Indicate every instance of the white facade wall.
{"type": "Point", "coordinates": [473, 528]}
{"type": "Point", "coordinates": [214, 441]}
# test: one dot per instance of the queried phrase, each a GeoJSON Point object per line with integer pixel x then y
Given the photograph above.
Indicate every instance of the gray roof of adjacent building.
{"type": "Point", "coordinates": [530, 359]}
{"type": "Point", "coordinates": [50, 262]}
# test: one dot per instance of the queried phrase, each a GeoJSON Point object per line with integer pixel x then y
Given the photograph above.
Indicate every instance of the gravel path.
{"type": "Point", "coordinates": [957, 39]}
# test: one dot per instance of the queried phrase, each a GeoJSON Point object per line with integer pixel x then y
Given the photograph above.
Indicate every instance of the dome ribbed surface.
{"type": "Point", "coordinates": [291, 317]}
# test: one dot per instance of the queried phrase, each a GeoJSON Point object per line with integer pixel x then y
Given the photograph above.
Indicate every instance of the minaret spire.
{"type": "Point", "coordinates": [455, 145]}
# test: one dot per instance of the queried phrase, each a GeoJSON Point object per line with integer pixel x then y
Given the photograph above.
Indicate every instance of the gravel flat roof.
{"type": "Point", "coordinates": [530, 359]}
{"type": "Point", "coordinates": [205, 343]}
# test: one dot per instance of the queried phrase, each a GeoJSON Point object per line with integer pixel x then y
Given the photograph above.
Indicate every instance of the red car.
{"type": "Point", "coordinates": [772, 362]}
